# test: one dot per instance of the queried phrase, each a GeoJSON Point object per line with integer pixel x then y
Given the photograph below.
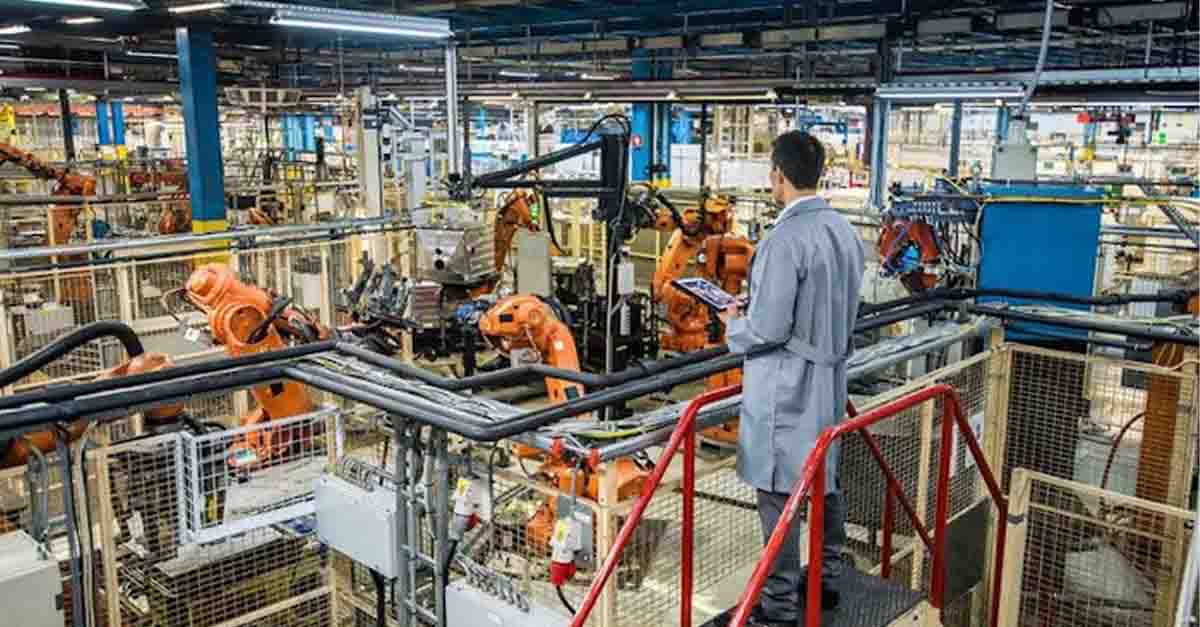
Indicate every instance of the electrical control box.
{"type": "Point", "coordinates": [358, 522]}
{"type": "Point", "coordinates": [30, 585]}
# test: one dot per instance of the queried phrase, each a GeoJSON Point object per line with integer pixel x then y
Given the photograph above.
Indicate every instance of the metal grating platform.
{"type": "Point", "coordinates": [867, 601]}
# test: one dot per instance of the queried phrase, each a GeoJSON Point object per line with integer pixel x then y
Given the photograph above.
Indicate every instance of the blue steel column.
{"type": "Point", "coordinates": [643, 121]}
{"type": "Point", "coordinates": [955, 138]}
{"type": "Point", "coordinates": [662, 123]}
{"type": "Point", "coordinates": [198, 87]}
{"type": "Point", "coordinates": [880, 111]}
{"type": "Point", "coordinates": [103, 135]}
{"type": "Point", "coordinates": [118, 127]}
{"type": "Point", "coordinates": [1001, 123]}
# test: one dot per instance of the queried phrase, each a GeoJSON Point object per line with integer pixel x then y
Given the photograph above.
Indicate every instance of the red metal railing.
{"type": "Point", "coordinates": [685, 434]}
{"type": "Point", "coordinates": [812, 480]}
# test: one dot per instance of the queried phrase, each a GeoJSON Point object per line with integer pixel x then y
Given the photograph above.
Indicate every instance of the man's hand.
{"type": "Point", "coordinates": [728, 314]}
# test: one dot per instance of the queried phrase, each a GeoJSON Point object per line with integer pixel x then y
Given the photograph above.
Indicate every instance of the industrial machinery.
{"type": "Point", "coordinates": [702, 232]}
{"type": "Point", "coordinates": [246, 320]}
{"type": "Point", "coordinates": [921, 239]}
{"type": "Point", "coordinates": [64, 219]}
{"type": "Point", "coordinates": [526, 329]}
{"type": "Point", "coordinates": [518, 211]}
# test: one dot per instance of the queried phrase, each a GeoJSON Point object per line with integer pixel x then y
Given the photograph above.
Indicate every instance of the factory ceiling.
{"type": "Point", "coordinates": [522, 41]}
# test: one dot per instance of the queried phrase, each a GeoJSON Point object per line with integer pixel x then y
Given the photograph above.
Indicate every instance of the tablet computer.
{"type": "Point", "coordinates": [707, 292]}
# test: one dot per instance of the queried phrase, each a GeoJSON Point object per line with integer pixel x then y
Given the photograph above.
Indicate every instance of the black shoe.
{"type": "Point", "coordinates": [830, 597]}
{"type": "Point", "coordinates": [759, 617]}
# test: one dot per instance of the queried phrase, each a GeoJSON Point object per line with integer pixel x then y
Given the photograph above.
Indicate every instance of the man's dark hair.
{"type": "Point", "coordinates": [800, 157]}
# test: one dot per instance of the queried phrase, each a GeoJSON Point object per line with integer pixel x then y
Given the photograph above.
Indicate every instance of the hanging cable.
{"type": "Point", "coordinates": [1041, 62]}
{"type": "Point", "coordinates": [563, 597]}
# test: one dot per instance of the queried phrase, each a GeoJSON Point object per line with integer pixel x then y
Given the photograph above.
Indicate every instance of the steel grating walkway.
{"type": "Point", "coordinates": [867, 601]}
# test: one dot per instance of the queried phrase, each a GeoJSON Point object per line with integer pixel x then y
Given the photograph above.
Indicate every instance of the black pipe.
{"type": "Point", "coordinates": [873, 321]}
{"type": "Point", "coordinates": [66, 392]}
{"type": "Point", "coordinates": [1095, 341]}
{"type": "Point", "coordinates": [323, 379]}
{"type": "Point", "coordinates": [946, 294]}
{"type": "Point", "coordinates": [522, 374]}
{"type": "Point", "coordinates": [164, 393]}
{"type": "Point", "coordinates": [1085, 325]}
{"type": "Point", "coordinates": [69, 342]}
{"type": "Point", "coordinates": [640, 382]}
{"type": "Point", "coordinates": [483, 180]}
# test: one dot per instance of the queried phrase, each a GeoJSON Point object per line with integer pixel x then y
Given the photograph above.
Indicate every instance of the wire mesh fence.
{"type": "Point", "coordinates": [1085, 556]}
{"type": "Point", "coordinates": [171, 545]}
{"type": "Point", "coordinates": [39, 306]}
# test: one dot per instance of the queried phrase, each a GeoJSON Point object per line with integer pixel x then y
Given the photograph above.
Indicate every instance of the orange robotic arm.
{"type": "Point", "coordinates": [18, 450]}
{"type": "Point", "coordinates": [687, 318]}
{"type": "Point", "coordinates": [524, 321]}
{"type": "Point", "coordinates": [894, 239]}
{"type": "Point", "coordinates": [63, 218]}
{"type": "Point", "coordinates": [513, 215]}
{"type": "Point", "coordinates": [244, 319]}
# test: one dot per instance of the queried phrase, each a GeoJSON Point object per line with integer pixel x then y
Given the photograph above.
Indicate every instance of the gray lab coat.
{"type": "Point", "coordinates": [804, 288]}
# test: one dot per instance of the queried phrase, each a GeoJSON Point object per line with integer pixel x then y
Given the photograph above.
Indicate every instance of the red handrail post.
{"type": "Point", "coordinates": [816, 545]}
{"type": "Point", "coordinates": [937, 583]}
{"type": "Point", "coordinates": [683, 429]}
{"type": "Point", "coordinates": [885, 567]}
{"type": "Point", "coordinates": [689, 523]}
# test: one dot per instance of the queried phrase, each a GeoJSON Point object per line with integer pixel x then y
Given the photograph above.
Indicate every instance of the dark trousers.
{"type": "Point", "coordinates": [781, 595]}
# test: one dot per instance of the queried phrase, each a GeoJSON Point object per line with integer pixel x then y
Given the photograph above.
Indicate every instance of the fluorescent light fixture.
{"type": "Point", "coordinates": [76, 21]}
{"type": "Point", "coordinates": [378, 27]}
{"type": "Point", "coordinates": [193, 8]}
{"type": "Point", "coordinates": [1127, 104]}
{"type": "Point", "coordinates": [151, 55]}
{"type": "Point", "coordinates": [914, 94]}
{"type": "Point", "coordinates": [417, 68]}
{"type": "Point", "coordinates": [108, 5]}
{"type": "Point", "coordinates": [598, 77]}
{"type": "Point", "coordinates": [35, 89]}
{"type": "Point", "coordinates": [516, 74]}
{"type": "Point", "coordinates": [19, 29]}
{"type": "Point", "coordinates": [10, 46]}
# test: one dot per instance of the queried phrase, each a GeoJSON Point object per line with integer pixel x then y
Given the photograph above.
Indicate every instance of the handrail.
{"type": "Point", "coordinates": [685, 434]}
{"type": "Point", "coordinates": [812, 479]}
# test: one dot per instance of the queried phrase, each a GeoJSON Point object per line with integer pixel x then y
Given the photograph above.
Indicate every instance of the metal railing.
{"type": "Point", "coordinates": [684, 434]}
{"type": "Point", "coordinates": [812, 481]}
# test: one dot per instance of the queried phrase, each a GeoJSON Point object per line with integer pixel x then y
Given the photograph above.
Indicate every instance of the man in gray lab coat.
{"type": "Point", "coordinates": [804, 289]}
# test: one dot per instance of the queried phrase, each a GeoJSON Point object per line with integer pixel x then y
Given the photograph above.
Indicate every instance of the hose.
{"type": "Point", "coordinates": [380, 598]}
{"type": "Point", "coordinates": [447, 560]}
{"type": "Point", "coordinates": [61, 346]}
{"type": "Point", "coordinates": [89, 547]}
{"type": "Point", "coordinates": [77, 600]}
{"type": "Point", "coordinates": [1041, 62]}
{"type": "Point", "coordinates": [562, 597]}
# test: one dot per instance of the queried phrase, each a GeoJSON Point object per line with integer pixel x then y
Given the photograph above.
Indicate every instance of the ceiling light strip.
{"type": "Point", "coordinates": [108, 5]}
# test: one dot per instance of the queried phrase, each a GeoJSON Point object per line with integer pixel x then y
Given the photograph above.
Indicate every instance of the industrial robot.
{"type": "Point", "coordinates": [909, 249]}
{"type": "Point", "coordinates": [703, 233]}
{"type": "Point", "coordinates": [525, 323]}
{"type": "Point", "coordinates": [517, 212]}
{"type": "Point", "coordinates": [246, 320]}
{"type": "Point", "coordinates": [65, 218]}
